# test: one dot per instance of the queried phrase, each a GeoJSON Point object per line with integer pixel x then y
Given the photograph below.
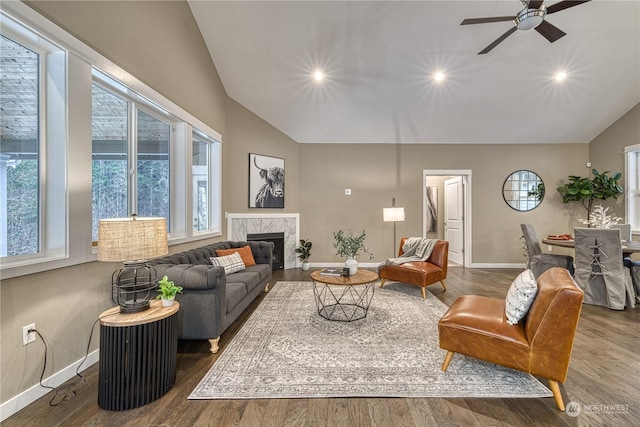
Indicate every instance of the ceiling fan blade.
{"type": "Point", "coordinates": [470, 21]}
{"type": "Point", "coordinates": [550, 31]}
{"type": "Point", "coordinates": [535, 4]}
{"type": "Point", "coordinates": [498, 40]}
{"type": "Point", "coordinates": [562, 5]}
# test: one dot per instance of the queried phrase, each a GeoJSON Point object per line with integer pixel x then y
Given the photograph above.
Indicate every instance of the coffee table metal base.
{"type": "Point", "coordinates": [343, 303]}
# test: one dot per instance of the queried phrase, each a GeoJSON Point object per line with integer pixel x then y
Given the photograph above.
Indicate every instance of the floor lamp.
{"type": "Point", "coordinates": [132, 240]}
{"type": "Point", "coordinates": [393, 214]}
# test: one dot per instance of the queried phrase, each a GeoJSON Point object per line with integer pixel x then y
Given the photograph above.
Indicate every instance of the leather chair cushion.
{"type": "Point", "coordinates": [477, 326]}
{"type": "Point", "coordinates": [418, 273]}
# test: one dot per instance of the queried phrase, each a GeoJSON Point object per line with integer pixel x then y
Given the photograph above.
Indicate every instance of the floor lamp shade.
{"type": "Point", "coordinates": [393, 214]}
{"type": "Point", "coordinates": [133, 241]}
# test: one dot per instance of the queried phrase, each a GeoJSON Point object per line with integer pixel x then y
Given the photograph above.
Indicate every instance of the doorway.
{"type": "Point", "coordinates": [447, 211]}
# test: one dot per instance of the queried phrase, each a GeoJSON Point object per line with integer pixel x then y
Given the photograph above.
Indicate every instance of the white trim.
{"type": "Point", "coordinates": [35, 392]}
{"type": "Point", "coordinates": [468, 220]}
{"type": "Point", "coordinates": [498, 265]}
{"type": "Point", "coordinates": [374, 265]}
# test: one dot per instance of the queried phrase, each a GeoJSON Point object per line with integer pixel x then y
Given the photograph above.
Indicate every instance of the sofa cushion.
{"type": "Point", "coordinates": [521, 294]}
{"type": "Point", "coordinates": [250, 278]}
{"type": "Point", "coordinates": [245, 254]}
{"type": "Point", "coordinates": [235, 293]}
{"type": "Point", "coordinates": [231, 263]}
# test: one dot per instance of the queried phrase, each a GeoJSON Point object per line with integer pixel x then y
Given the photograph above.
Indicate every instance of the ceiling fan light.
{"type": "Point", "coordinates": [528, 19]}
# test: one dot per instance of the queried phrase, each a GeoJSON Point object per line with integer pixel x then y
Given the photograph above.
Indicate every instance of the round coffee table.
{"type": "Point", "coordinates": [344, 299]}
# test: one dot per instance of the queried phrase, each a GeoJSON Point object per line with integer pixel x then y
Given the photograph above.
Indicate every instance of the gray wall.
{"type": "Point", "coordinates": [606, 151]}
{"type": "Point", "coordinates": [378, 172]}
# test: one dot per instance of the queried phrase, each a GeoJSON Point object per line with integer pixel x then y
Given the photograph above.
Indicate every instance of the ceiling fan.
{"type": "Point", "coordinates": [531, 16]}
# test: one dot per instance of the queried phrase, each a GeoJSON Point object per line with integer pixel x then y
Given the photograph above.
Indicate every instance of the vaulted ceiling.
{"type": "Point", "coordinates": [379, 59]}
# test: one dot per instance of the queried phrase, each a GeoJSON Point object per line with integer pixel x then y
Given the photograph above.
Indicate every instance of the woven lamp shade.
{"type": "Point", "coordinates": [135, 238]}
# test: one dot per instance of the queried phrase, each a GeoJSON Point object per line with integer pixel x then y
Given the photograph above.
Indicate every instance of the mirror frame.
{"type": "Point", "coordinates": [533, 184]}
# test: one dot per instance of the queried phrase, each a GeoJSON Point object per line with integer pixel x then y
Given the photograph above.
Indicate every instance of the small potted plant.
{"type": "Point", "coordinates": [167, 291]}
{"type": "Point", "coordinates": [304, 253]}
{"type": "Point", "coordinates": [349, 245]}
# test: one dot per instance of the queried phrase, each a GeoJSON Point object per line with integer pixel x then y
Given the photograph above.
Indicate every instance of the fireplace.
{"type": "Point", "coordinates": [278, 251]}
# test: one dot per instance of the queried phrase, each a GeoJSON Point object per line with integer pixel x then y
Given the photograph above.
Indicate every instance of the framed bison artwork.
{"type": "Point", "coordinates": [266, 181]}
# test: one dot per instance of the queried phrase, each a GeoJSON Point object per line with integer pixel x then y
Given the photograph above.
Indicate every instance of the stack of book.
{"type": "Point", "coordinates": [335, 272]}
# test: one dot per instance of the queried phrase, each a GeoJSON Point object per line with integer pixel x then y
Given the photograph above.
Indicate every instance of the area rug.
{"type": "Point", "coordinates": [286, 350]}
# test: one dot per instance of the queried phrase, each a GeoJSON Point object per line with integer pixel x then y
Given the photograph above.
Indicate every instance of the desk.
{"type": "Point", "coordinates": [137, 355]}
{"type": "Point", "coordinates": [628, 246]}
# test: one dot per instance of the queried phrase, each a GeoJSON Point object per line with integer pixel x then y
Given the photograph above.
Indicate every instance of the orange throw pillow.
{"type": "Point", "coordinates": [245, 254]}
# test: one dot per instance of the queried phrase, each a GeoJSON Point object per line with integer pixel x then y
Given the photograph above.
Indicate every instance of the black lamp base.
{"type": "Point", "coordinates": [132, 286]}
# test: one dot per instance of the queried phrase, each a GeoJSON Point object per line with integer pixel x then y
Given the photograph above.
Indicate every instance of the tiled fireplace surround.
{"type": "Point", "coordinates": [241, 224]}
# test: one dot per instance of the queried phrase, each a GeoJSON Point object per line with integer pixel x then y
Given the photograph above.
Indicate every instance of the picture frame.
{"type": "Point", "coordinates": [266, 181]}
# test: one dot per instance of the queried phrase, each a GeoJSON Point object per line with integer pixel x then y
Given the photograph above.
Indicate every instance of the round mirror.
{"type": "Point", "coordinates": [523, 190]}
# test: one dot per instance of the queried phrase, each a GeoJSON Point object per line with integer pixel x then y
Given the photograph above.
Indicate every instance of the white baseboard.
{"type": "Point", "coordinates": [375, 264]}
{"type": "Point", "coordinates": [34, 393]}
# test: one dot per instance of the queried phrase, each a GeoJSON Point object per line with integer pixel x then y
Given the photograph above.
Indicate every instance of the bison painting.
{"type": "Point", "coordinates": [266, 182]}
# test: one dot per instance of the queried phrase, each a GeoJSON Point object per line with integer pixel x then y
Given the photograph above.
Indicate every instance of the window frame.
{"type": "Point", "coordinates": [632, 186]}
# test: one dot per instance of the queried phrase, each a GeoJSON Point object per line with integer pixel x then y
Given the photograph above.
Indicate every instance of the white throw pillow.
{"type": "Point", "coordinates": [231, 263]}
{"type": "Point", "coordinates": [521, 294]}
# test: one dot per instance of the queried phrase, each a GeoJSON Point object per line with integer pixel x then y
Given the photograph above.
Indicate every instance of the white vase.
{"type": "Point", "coordinates": [167, 302]}
{"type": "Point", "coordinates": [352, 264]}
{"type": "Point", "coordinates": [306, 266]}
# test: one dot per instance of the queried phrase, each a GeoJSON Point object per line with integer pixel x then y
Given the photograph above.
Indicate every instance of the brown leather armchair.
{"type": "Point", "coordinates": [539, 344]}
{"type": "Point", "coordinates": [420, 273]}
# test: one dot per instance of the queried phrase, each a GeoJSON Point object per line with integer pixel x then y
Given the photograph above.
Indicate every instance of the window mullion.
{"type": "Point", "coordinates": [132, 145]}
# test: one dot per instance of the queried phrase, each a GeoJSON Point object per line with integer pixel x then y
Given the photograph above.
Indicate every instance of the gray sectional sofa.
{"type": "Point", "coordinates": [212, 300]}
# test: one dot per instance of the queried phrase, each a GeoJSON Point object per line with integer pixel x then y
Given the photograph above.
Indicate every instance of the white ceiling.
{"type": "Point", "coordinates": [379, 57]}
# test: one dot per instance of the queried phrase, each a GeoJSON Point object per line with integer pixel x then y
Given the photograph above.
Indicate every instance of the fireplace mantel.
{"type": "Point", "coordinates": [241, 224]}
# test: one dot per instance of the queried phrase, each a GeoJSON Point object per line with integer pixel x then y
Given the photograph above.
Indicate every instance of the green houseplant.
{"type": "Point", "coordinates": [349, 245]}
{"type": "Point", "coordinates": [587, 190]}
{"type": "Point", "coordinates": [304, 253]}
{"type": "Point", "coordinates": [167, 291]}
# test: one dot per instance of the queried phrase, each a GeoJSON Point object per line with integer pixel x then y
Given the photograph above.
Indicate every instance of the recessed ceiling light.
{"type": "Point", "coordinates": [560, 76]}
{"type": "Point", "coordinates": [318, 76]}
{"type": "Point", "coordinates": [439, 76]}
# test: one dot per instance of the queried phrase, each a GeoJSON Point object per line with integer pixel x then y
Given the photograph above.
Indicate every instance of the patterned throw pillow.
{"type": "Point", "coordinates": [231, 263]}
{"type": "Point", "coordinates": [245, 254]}
{"type": "Point", "coordinates": [521, 294]}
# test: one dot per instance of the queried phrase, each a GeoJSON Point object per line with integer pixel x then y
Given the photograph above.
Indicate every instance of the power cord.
{"type": "Point", "coordinates": [71, 390]}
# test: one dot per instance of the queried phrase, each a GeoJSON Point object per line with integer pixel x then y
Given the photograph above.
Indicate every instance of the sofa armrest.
{"type": "Point", "coordinates": [262, 251]}
{"type": "Point", "coordinates": [193, 276]}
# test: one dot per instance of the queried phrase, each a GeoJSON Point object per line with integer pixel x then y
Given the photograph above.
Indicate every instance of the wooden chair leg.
{"type": "Point", "coordinates": [557, 396]}
{"type": "Point", "coordinates": [444, 285]}
{"type": "Point", "coordinates": [382, 282]}
{"type": "Point", "coordinates": [447, 360]}
{"type": "Point", "coordinates": [214, 345]}
{"type": "Point", "coordinates": [424, 292]}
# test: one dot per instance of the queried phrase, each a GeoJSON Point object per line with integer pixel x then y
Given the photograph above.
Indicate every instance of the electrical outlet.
{"type": "Point", "coordinates": [550, 248]}
{"type": "Point", "coordinates": [28, 337]}
{"type": "Point", "coordinates": [347, 191]}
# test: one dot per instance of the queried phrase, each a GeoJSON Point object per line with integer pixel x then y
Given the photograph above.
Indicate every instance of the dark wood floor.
{"type": "Point", "coordinates": [604, 378]}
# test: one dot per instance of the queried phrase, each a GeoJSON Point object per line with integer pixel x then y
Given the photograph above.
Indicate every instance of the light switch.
{"type": "Point", "coordinates": [347, 191]}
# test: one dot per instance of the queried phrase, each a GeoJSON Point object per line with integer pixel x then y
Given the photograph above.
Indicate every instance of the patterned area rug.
{"type": "Point", "coordinates": [286, 350]}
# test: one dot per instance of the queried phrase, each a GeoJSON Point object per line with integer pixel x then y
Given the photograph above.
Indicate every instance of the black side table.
{"type": "Point", "coordinates": [137, 355]}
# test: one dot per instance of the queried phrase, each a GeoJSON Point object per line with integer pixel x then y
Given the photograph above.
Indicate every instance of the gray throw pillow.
{"type": "Point", "coordinates": [521, 294]}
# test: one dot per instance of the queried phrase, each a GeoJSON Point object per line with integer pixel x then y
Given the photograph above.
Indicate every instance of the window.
{"type": "Point", "coordinates": [632, 178]}
{"type": "Point", "coordinates": [120, 186]}
{"type": "Point", "coordinates": [20, 148]}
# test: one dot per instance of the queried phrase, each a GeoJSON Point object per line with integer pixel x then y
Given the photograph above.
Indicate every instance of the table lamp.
{"type": "Point", "coordinates": [132, 240]}
{"type": "Point", "coordinates": [393, 214]}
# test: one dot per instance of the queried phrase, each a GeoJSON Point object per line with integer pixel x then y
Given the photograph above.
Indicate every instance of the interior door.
{"type": "Point", "coordinates": [454, 218]}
